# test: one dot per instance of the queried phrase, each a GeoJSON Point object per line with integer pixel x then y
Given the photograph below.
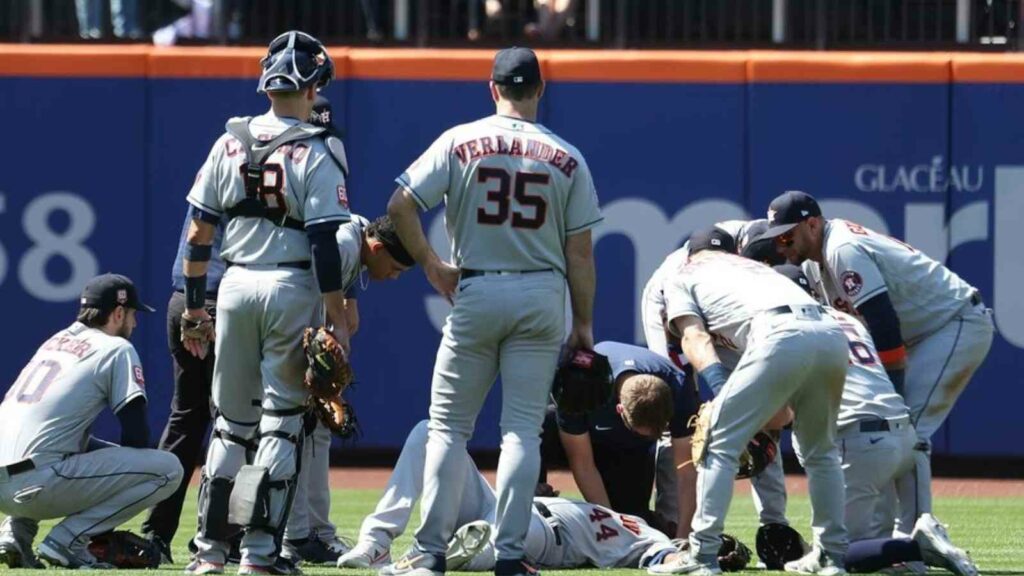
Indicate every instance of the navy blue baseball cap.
{"type": "Point", "coordinates": [713, 238]}
{"type": "Point", "coordinates": [753, 246]}
{"type": "Point", "coordinates": [108, 291]}
{"type": "Point", "coordinates": [323, 116]}
{"type": "Point", "coordinates": [789, 209]}
{"type": "Point", "coordinates": [516, 66]}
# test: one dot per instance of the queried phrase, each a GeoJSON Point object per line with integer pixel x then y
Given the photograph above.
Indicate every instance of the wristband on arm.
{"type": "Point", "coordinates": [195, 292]}
{"type": "Point", "coordinates": [714, 376]}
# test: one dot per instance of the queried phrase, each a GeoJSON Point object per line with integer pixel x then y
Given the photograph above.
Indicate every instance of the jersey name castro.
{"type": "Point", "coordinates": [513, 191]}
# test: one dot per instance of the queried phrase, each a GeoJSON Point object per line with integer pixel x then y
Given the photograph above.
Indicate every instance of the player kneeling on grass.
{"type": "Point", "coordinates": [876, 442]}
{"type": "Point", "coordinates": [561, 533]}
{"type": "Point", "coordinates": [51, 467]}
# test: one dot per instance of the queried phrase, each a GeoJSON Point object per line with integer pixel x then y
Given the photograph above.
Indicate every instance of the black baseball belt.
{"type": "Point", "coordinates": [795, 309]}
{"type": "Point", "coordinates": [467, 273]}
{"type": "Point", "coordinates": [297, 265]}
{"type": "Point", "coordinates": [18, 467]}
{"type": "Point", "coordinates": [549, 517]}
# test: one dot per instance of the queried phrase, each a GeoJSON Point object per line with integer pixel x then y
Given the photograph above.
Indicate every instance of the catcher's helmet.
{"type": "Point", "coordinates": [295, 61]}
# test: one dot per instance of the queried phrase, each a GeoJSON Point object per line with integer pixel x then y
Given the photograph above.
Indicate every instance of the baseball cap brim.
{"type": "Point", "coordinates": [774, 231]}
{"type": "Point", "coordinates": [144, 307]}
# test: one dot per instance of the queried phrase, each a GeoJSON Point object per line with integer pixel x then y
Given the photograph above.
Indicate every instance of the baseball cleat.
{"type": "Point", "coordinates": [164, 547]}
{"type": "Point", "coordinates": [937, 549]}
{"type": "Point", "coordinates": [315, 551]}
{"type": "Point", "coordinates": [467, 542]}
{"type": "Point", "coordinates": [815, 562]}
{"type": "Point", "coordinates": [199, 567]}
{"type": "Point", "coordinates": [365, 555]}
{"type": "Point", "coordinates": [684, 563]}
{"type": "Point", "coordinates": [284, 566]}
{"type": "Point", "coordinates": [416, 563]}
{"type": "Point", "coordinates": [59, 555]}
{"type": "Point", "coordinates": [14, 556]}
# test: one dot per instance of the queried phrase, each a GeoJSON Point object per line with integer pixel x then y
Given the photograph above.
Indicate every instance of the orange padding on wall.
{"type": "Point", "coordinates": [130, 61]}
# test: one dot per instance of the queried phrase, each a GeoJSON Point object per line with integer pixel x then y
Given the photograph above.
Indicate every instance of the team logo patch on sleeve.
{"type": "Point", "coordinates": [137, 373]}
{"type": "Point", "coordinates": [342, 195]}
{"type": "Point", "coordinates": [852, 283]}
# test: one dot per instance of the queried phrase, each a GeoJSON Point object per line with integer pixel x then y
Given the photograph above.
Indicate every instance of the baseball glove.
{"type": "Point", "coordinates": [122, 549]}
{"type": "Point", "coordinates": [733, 555]}
{"type": "Point", "coordinates": [760, 452]}
{"type": "Point", "coordinates": [701, 424]}
{"type": "Point", "coordinates": [337, 415]}
{"type": "Point", "coordinates": [196, 329]}
{"type": "Point", "coordinates": [583, 382]}
{"type": "Point", "coordinates": [329, 372]}
{"type": "Point", "coordinates": [777, 544]}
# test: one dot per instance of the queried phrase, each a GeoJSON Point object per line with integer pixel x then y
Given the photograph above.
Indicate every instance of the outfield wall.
{"type": "Point", "coordinates": [102, 144]}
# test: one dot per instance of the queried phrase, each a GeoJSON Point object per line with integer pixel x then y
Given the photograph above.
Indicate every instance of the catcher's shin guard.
{"type": "Point", "coordinates": [228, 446]}
{"type": "Point", "coordinates": [280, 455]}
{"type": "Point", "coordinates": [213, 507]}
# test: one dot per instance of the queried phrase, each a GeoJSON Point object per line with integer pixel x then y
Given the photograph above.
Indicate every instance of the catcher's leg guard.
{"type": "Point", "coordinates": [227, 454]}
{"type": "Point", "coordinates": [213, 507]}
{"type": "Point", "coordinates": [274, 473]}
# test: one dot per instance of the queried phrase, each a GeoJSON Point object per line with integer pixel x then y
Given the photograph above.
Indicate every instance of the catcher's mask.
{"type": "Point", "coordinates": [295, 61]}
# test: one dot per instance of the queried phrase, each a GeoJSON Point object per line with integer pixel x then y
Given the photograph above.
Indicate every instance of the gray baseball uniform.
{"type": "Point", "coordinates": [876, 439]}
{"type": "Point", "coordinates": [946, 329]}
{"type": "Point", "coordinates": [310, 513]}
{"type": "Point", "coordinates": [587, 534]}
{"type": "Point", "coordinates": [45, 418]}
{"type": "Point", "coordinates": [769, 487]}
{"type": "Point", "coordinates": [266, 299]}
{"type": "Point", "coordinates": [513, 192]}
{"type": "Point", "coordinates": [791, 353]}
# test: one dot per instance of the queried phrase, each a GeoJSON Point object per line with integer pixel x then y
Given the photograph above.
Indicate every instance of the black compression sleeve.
{"type": "Point", "coordinates": [134, 426]}
{"type": "Point", "coordinates": [882, 321]}
{"type": "Point", "coordinates": [326, 258]}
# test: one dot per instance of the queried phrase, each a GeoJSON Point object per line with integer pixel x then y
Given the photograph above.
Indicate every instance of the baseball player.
{"type": "Point", "coordinates": [310, 536]}
{"type": "Point", "coordinates": [769, 487]}
{"type": "Point", "coordinates": [561, 533]}
{"type": "Point", "coordinates": [931, 327]}
{"type": "Point", "coordinates": [50, 468]}
{"type": "Point", "coordinates": [611, 450]}
{"type": "Point", "coordinates": [281, 191]}
{"type": "Point", "coordinates": [187, 425]}
{"type": "Point", "coordinates": [876, 442]}
{"type": "Point", "coordinates": [520, 204]}
{"type": "Point", "coordinates": [791, 353]}
{"type": "Point", "coordinates": [874, 433]}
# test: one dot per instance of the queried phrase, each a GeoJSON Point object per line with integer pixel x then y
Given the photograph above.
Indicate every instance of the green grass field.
{"type": "Point", "coordinates": [992, 529]}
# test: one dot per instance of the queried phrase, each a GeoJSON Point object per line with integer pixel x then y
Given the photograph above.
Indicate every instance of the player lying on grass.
{"type": "Point", "coordinates": [561, 534]}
